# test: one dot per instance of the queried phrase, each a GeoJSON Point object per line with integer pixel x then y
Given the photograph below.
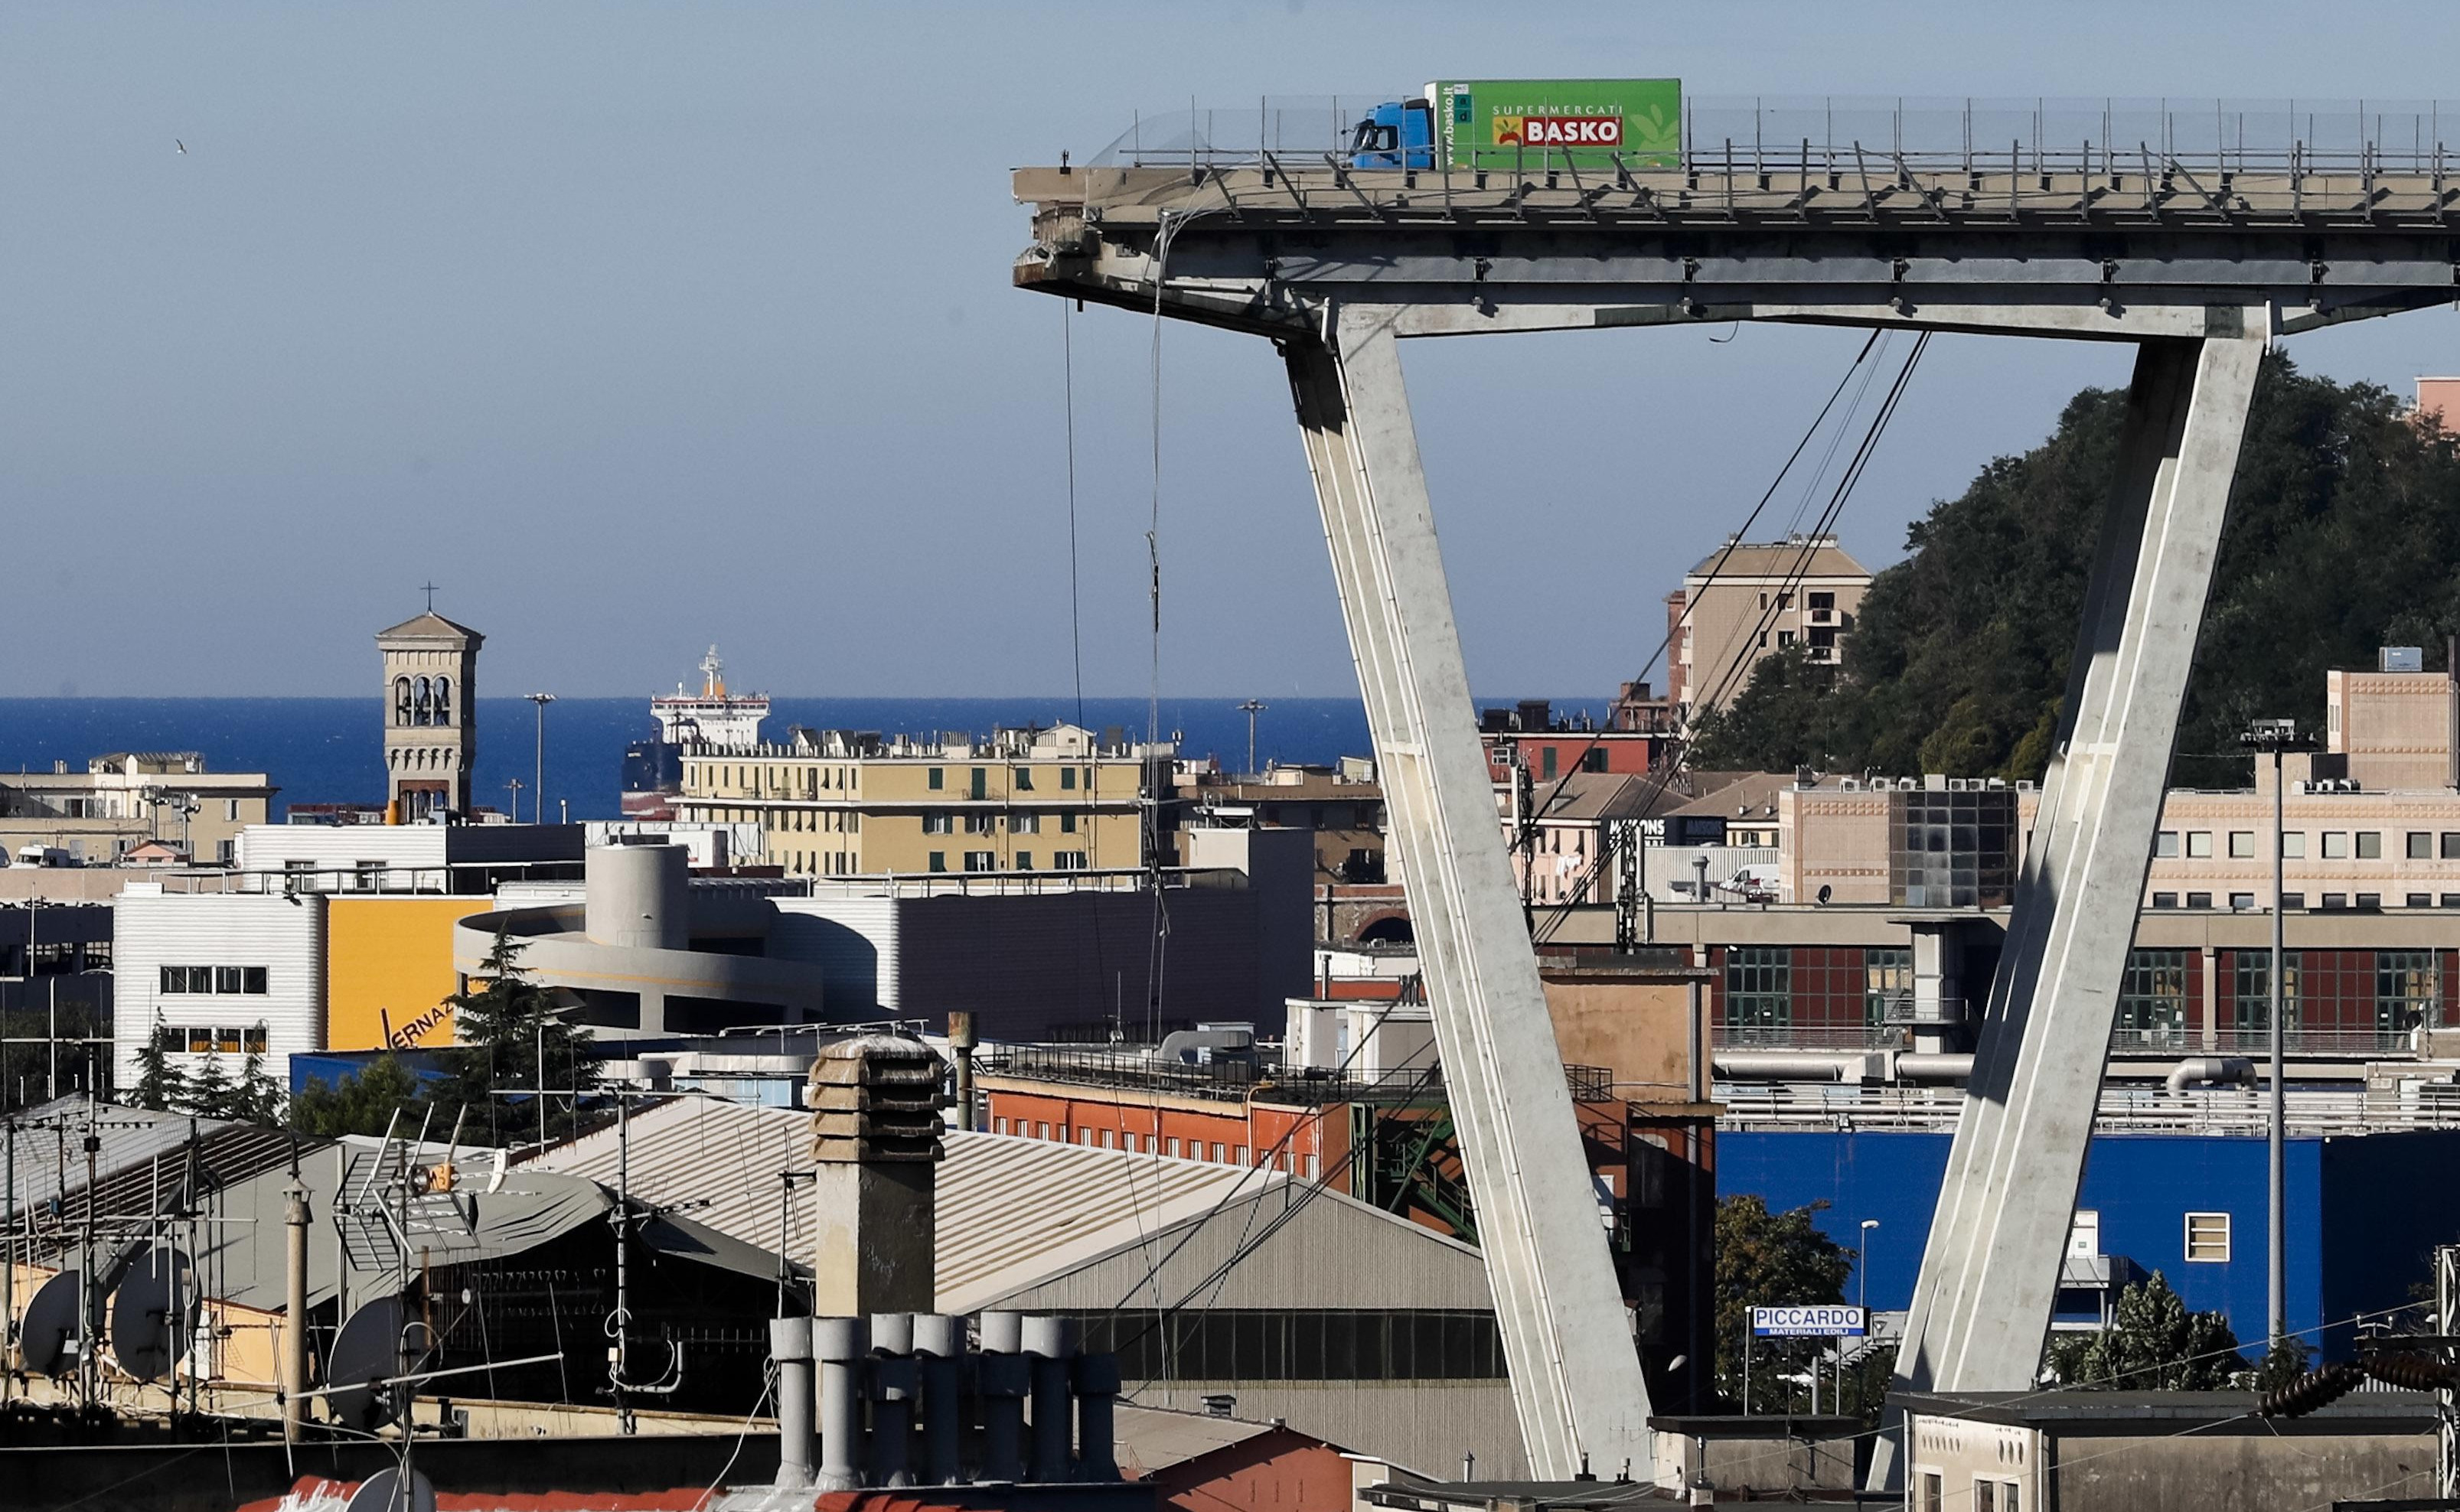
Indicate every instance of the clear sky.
{"type": "Point", "coordinates": [640, 327]}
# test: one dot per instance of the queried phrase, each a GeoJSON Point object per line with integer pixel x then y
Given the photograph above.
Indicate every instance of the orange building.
{"type": "Point", "coordinates": [389, 970]}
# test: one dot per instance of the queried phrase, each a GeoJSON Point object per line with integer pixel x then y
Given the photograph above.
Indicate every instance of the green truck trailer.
{"type": "Point", "coordinates": [1503, 125]}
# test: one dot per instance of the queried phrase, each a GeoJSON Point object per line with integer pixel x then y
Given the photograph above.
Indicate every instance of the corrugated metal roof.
{"type": "Point", "coordinates": [48, 1154]}
{"type": "Point", "coordinates": [1150, 1438]}
{"type": "Point", "coordinates": [1013, 1212]}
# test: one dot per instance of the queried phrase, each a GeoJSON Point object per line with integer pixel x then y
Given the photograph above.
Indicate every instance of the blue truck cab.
{"type": "Point", "coordinates": [1398, 133]}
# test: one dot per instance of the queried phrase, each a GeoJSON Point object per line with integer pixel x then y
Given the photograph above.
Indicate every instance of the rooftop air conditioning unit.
{"type": "Point", "coordinates": [1850, 785]}
{"type": "Point", "coordinates": [2025, 784]}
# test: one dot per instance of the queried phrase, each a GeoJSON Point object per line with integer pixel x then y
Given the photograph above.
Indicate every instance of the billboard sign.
{"type": "Point", "coordinates": [1809, 1322]}
{"type": "Point", "coordinates": [1587, 124]}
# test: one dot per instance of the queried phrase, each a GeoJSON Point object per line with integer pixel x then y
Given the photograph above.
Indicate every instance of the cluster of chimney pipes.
{"type": "Point", "coordinates": [902, 1401]}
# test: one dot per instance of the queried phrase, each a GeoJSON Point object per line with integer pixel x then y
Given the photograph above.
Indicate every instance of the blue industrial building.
{"type": "Point", "coordinates": [2365, 1212]}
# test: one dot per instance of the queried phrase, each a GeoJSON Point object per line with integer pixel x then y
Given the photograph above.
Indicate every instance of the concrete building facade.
{"type": "Point", "coordinates": [1745, 602]}
{"type": "Point", "coordinates": [846, 803]}
{"type": "Point", "coordinates": [126, 799]}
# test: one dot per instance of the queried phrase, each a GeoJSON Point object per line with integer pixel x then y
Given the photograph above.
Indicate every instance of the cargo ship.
{"type": "Point", "coordinates": [653, 770]}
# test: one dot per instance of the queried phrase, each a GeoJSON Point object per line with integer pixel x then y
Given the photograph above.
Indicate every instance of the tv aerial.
{"type": "Point", "coordinates": [381, 1342]}
{"type": "Point", "coordinates": [47, 1337]}
{"type": "Point", "coordinates": [154, 1312]}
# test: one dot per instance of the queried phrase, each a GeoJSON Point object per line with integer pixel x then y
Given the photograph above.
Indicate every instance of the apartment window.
{"type": "Point", "coordinates": [2152, 1000]}
{"type": "Point", "coordinates": [1068, 860]}
{"type": "Point", "coordinates": [227, 979]}
{"type": "Point", "coordinates": [942, 823]}
{"type": "Point", "coordinates": [1170, 1148]}
{"type": "Point", "coordinates": [1785, 638]}
{"type": "Point", "coordinates": [999, 1125]}
{"type": "Point", "coordinates": [1025, 860]}
{"type": "Point", "coordinates": [936, 779]}
{"type": "Point", "coordinates": [2369, 845]}
{"type": "Point", "coordinates": [1238, 1155]}
{"type": "Point", "coordinates": [2336, 845]}
{"type": "Point", "coordinates": [1041, 1130]}
{"type": "Point", "coordinates": [2242, 845]}
{"type": "Point", "coordinates": [175, 979]}
{"type": "Point", "coordinates": [1067, 779]}
{"type": "Point", "coordinates": [1024, 779]}
{"type": "Point", "coordinates": [1823, 601]}
{"type": "Point", "coordinates": [2242, 900]}
{"type": "Point", "coordinates": [1546, 764]}
{"type": "Point", "coordinates": [2208, 1238]}
{"type": "Point", "coordinates": [1067, 824]}
{"type": "Point", "coordinates": [1933, 1496]}
{"type": "Point", "coordinates": [2292, 900]}
{"type": "Point", "coordinates": [939, 860]}
{"type": "Point", "coordinates": [982, 861]}
{"type": "Point", "coordinates": [2421, 900]}
{"type": "Point", "coordinates": [981, 822]}
{"type": "Point", "coordinates": [2450, 900]}
{"type": "Point", "coordinates": [1025, 824]}
{"type": "Point", "coordinates": [2334, 900]}
{"type": "Point", "coordinates": [2408, 991]}
{"type": "Point", "coordinates": [2199, 842]}
{"type": "Point", "coordinates": [1785, 601]}
{"type": "Point", "coordinates": [1985, 1495]}
{"type": "Point", "coordinates": [978, 785]}
{"type": "Point", "coordinates": [231, 810]}
{"type": "Point", "coordinates": [2420, 845]}
{"type": "Point", "coordinates": [2293, 844]}
{"type": "Point", "coordinates": [1217, 1152]}
{"type": "Point", "coordinates": [1887, 980]}
{"type": "Point", "coordinates": [2161, 900]}
{"type": "Point", "coordinates": [2200, 901]}
{"type": "Point", "coordinates": [2369, 901]}
{"type": "Point", "coordinates": [1762, 600]}
{"type": "Point", "coordinates": [2452, 844]}
{"type": "Point", "coordinates": [1759, 989]}
{"type": "Point", "coordinates": [2166, 843]}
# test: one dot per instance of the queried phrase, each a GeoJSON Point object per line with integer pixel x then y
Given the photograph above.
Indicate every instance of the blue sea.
{"type": "Point", "coordinates": [330, 749]}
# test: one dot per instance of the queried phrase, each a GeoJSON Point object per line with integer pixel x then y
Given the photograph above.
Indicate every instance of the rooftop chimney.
{"type": "Point", "coordinates": [876, 1127]}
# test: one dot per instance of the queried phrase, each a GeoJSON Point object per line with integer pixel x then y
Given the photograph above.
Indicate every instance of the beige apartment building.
{"type": "Point", "coordinates": [125, 799]}
{"type": "Point", "coordinates": [847, 802]}
{"type": "Point", "coordinates": [1744, 601]}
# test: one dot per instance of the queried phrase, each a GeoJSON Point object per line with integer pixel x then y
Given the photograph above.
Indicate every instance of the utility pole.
{"type": "Point", "coordinates": [538, 786]}
{"type": "Point", "coordinates": [1251, 708]}
{"type": "Point", "coordinates": [2277, 736]}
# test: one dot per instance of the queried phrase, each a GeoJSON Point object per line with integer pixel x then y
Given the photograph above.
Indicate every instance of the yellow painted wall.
{"type": "Point", "coordinates": [389, 960]}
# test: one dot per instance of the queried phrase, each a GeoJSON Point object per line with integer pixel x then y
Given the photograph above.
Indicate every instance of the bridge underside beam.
{"type": "Point", "coordinates": [1990, 1270]}
{"type": "Point", "coordinates": [1576, 1377]}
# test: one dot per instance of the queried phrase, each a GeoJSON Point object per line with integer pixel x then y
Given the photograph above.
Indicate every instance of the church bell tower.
{"type": "Point", "coordinates": [431, 730]}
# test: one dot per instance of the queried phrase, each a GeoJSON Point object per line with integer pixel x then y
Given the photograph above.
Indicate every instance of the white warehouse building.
{"type": "Point", "coordinates": [222, 974]}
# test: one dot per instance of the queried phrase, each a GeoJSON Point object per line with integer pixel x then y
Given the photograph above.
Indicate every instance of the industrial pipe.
{"type": "Point", "coordinates": [1841, 1065]}
{"type": "Point", "coordinates": [790, 1347]}
{"type": "Point", "coordinates": [841, 1344]}
{"type": "Point", "coordinates": [1097, 1386]}
{"type": "Point", "coordinates": [1914, 1065]}
{"type": "Point", "coordinates": [999, 1378]}
{"type": "Point", "coordinates": [2210, 1069]}
{"type": "Point", "coordinates": [940, 1349]}
{"type": "Point", "coordinates": [1051, 1345]}
{"type": "Point", "coordinates": [295, 1323]}
{"type": "Point", "coordinates": [892, 1399]}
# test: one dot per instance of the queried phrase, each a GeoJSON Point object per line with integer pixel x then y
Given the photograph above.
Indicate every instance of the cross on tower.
{"type": "Point", "coordinates": [429, 588]}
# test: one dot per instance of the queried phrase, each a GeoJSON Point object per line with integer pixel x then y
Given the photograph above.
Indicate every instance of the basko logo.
{"type": "Point", "coordinates": [1807, 1322]}
{"type": "Point", "coordinates": [1559, 131]}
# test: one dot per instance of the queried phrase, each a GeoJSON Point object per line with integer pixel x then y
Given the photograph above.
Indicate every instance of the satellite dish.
{"type": "Point", "coordinates": [47, 1337]}
{"type": "Point", "coordinates": [380, 1341]}
{"type": "Point", "coordinates": [495, 1178]}
{"type": "Point", "coordinates": [385, 1492]}
{"type": "Point", "coordinates": [1825, 893]}
{"type": "Point", "coordinates": [154, 1312]}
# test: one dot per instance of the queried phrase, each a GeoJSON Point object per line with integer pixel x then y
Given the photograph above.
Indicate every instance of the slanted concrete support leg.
{"type": "Point", "coordinates": [1990, 1270]}
{"type": "Point", "coordinates": [1576, 1378]}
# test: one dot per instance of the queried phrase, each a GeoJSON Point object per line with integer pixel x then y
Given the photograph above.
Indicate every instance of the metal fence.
{"type": "Point", "coordinates": [1239, 1080]}
{"type": "Point", "coordinates": [2244, 1112]}
{"type": "Point", "coordinates": [1838, 135]}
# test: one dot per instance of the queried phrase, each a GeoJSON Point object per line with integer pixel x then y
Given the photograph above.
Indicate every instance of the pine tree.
{"type": "Point", "coordinates": [161, 1085]}
{"type": "Point", "coordinates": [256, 1098]}
{"type": "Point", "coordinates": [505, 1031]}
{"type": "Point", "coordinates": [210, 1094]}
{"type": "Point", "coordinates": [2154, 1343]}
{"type": "Point", "coordinates": [359, 1105]}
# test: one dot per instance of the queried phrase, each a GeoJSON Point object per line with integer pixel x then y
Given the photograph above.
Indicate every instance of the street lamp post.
{"type": "Point", "coordinates": [1251, 708]}
{"type": "Point", "coordinates": [514, 787]}
{"type": "Point", "coordinates": [538, 784]}
{"type": "Point", "coordinates": [1862, 1270]}
{"type": "Point", "coordinates": [2277, 737]}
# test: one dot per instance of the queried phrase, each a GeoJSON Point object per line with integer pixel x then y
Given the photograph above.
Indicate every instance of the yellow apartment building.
{"type": "Point", "coordinates": [851, 803]}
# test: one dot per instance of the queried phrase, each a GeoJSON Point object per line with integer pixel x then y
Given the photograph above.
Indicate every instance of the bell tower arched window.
{"type": "Point", "coordinates": [425, 714]}
{"type": "Point", "coordinates": [401, 701]}
{"type": "Point", "coordinates": [444, 701]}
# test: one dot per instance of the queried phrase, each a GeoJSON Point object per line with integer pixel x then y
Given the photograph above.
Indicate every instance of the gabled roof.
{"type": "Point", "coordinates": [430, 625]}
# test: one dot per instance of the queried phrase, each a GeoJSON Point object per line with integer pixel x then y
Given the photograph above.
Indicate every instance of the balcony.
{"type": "Point", "coordinates": [1809, 1036]}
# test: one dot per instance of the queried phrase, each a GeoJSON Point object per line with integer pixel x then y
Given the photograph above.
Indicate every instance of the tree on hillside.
{"type": "Point", "coordinates": [2344, 535]}
{"type": "Point", "coordinates": [507, 1032]}
{"type": "Point", "coordinates": [2154, 1343]}
{"type": "Point", "coordinates": [364, 1103]}
{"type": "Point", "coordinates": [1767, 1259]}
